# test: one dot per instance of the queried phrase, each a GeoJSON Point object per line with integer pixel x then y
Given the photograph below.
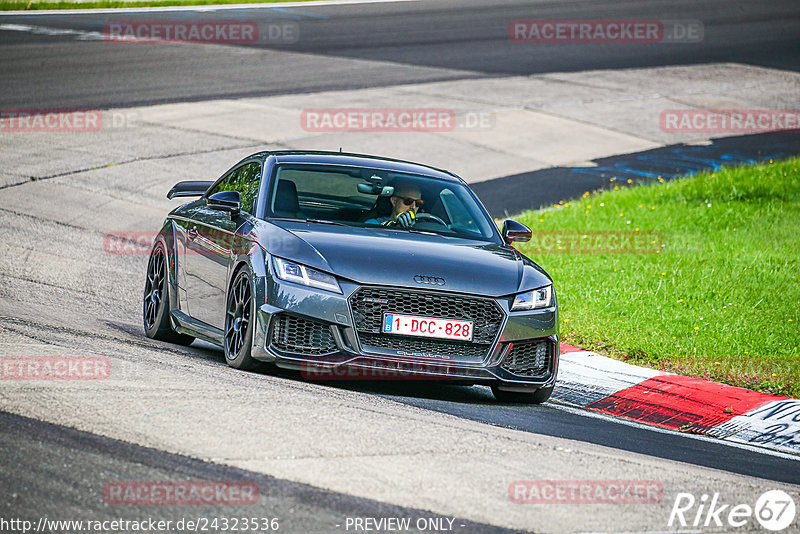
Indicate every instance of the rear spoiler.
{"type": "Point", "coordinates": [189, 189]}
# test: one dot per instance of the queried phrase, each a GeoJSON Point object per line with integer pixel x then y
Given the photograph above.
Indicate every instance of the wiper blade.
{"type": "Point", "coordinates": [300, 219]}
{"type": "Point", "coordinates": [323, 221]}
{"type": "Point", "coordinates": [423, 232]}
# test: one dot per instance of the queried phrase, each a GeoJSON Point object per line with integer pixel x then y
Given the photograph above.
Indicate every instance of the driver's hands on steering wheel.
{"type": "Point", "coordinates": [405, 219]}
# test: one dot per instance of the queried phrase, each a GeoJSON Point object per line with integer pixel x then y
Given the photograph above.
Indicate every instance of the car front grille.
{"type": "Point", "coordinates": [370, 303]}
{"type": "Point", "coordinates": [301, 336]}
{"type": "Point", "coordinates": [529, 358]}
{"type": "Point", "coordinates": [436, 346]}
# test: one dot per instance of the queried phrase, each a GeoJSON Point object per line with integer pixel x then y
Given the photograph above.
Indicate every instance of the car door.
{"type": "Point", "coordinates": [212, 244]}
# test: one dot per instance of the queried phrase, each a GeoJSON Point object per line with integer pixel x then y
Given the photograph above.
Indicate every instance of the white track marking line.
{"type": "Point", "coordinates": [205, 8]}
{"type": "Point", "coordinates": [44, 30]}
{"type": "Point", "coordinates": [752, 448]}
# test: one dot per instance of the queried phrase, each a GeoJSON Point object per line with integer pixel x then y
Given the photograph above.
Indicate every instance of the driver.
{"type": "Point", "coordinates": [406, 200]}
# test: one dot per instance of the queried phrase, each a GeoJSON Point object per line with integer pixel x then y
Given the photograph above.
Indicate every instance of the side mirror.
{"type": "Point", "coordinates": [229, 201]}
{"type": "Point", "coordinates": [514, 232]}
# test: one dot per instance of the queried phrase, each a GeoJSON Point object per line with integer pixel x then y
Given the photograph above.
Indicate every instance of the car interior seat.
{"type": "Point", "coordinates": [381, 208]}
{"type": "Point", "coordinates": [286, 203]}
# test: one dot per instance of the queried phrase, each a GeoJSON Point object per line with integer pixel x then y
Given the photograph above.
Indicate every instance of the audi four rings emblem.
{"type": "Point", "coordinates": [433, 280]}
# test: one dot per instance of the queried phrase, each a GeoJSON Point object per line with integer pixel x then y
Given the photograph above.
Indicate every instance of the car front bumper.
{"type": "Point", "coordinates": [330, 336]}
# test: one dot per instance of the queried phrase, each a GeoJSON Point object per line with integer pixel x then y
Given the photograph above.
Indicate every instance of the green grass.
{"type": "Point", "coordinates": [720, 300]}
{"type": "Point", "coordinates": [104, 4]}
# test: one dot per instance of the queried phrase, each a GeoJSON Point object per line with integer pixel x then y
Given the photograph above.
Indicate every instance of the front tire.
{"type": "Point", "coordinates": [536, 397]}
{"type": "Point", "coordinates": [155, 305]}
{"type": "Point", "coordinates": [239, 323]}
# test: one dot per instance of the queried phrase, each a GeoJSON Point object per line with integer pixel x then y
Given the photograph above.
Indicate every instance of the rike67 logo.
{"type": "Point", "coordinates": [774, 510]}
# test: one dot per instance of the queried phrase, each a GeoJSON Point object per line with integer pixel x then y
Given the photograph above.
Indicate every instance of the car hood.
{"type": "Point", "coordinates": [378, 256]}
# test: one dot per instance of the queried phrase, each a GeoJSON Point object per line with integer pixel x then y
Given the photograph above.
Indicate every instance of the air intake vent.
{"type": "Point", "coordinates": [301, 336]}
{"type": "Point", "coordinates": [529, 358]}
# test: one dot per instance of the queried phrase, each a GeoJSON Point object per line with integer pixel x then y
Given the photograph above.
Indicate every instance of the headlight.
{"type": "Point", "coordinates": [531, 300]}
{"type": "Point", "coordinates": [300, 274]}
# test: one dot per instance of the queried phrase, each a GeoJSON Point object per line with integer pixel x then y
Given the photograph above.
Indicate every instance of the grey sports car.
{"type": "Point", "coordinates": [355, 267]}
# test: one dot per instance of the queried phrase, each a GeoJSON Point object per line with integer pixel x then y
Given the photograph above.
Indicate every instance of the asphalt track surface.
{"type": "Point", "coordinates": [48, 471]}
{"type": "Point", "coordinates": [479, 405]}
{"type": "Point", "coordinates": [368, 45]}
{"type": "Point", "coordinates": [423, 41]}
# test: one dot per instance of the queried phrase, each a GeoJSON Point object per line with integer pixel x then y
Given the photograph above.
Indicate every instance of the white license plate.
{"type": "Point", "coordinates": [412, 325]}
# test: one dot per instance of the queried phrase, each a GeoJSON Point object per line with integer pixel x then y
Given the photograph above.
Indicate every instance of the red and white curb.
{"type": "Point", "coordinates": [676, 402]}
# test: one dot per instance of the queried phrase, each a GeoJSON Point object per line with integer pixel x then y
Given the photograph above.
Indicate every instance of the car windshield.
{"type": "Point", "coordinates": [370, 198]}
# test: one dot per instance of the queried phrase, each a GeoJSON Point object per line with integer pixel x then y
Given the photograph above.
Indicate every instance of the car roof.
{"type": "Point", "coordinates": [359, 160]}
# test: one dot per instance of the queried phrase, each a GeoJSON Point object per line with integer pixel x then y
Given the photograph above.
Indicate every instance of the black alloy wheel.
{"type": "Point", "coordinates": [155, 303]}
{"type": "Point", "coordinates": [239, 323]}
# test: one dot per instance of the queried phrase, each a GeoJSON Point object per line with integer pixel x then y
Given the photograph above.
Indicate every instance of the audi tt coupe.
{"type": "Point", "coordinates": [308, 260]}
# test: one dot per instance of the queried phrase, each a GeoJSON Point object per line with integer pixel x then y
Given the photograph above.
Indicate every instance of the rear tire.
{"type": "Point", "coordinates": [155, 305]}
{"type": "Point", "coordinates": [239, 323]}
{"type": "Point", "coordinates": [535, 397]}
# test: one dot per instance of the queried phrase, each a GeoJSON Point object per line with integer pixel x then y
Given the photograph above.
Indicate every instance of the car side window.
{"type": "Point", "coordinates": [455, 209]}
{"type": "Point", "coordinates": [246, 180]}
{"type": "Point", "coordinates": [459, 214]}
{"type": "Point", "coordinates": [223, 184]}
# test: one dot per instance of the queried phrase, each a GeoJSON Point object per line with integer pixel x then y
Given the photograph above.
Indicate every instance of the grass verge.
{"type": "Point", "coordinates": [107, 4]}
{"type": "Point", "coordinates": [720, 298]}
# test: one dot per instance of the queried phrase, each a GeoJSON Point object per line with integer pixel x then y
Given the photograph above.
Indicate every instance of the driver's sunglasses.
{"type": "Point", "coordinates": [408, 201]}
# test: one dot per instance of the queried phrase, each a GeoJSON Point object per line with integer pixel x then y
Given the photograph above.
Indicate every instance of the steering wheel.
{"type": "Point", "coordinates": [430, 217]}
